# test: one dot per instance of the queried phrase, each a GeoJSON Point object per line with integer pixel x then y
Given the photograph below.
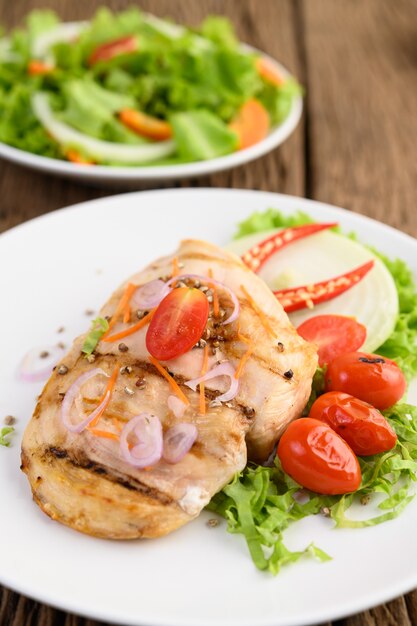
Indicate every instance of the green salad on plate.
{"type": "Point", "coordinates": [131, 89]}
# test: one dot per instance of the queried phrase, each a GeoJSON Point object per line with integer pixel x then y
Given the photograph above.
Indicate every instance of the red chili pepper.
{"type": "Point", "coordinates": [261, 252]}
{"type": "Point", "coordinates": [107, 51]}
{"type": "Point", "coordinates": [296, 298]}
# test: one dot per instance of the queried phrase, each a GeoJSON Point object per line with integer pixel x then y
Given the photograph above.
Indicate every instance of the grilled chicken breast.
{"type": "Point", "coordinates": [82, 480]}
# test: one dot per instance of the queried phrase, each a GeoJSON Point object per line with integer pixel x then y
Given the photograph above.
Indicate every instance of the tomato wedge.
{"type": "Point", "coordinates": [361, 425]}
{"type": "Point", "coordinates": [369, 377]}
{"type": "Point", "coordinates": [268, 71]}
{"type": "Point", "coordinates": [316, 457]}
{"type": "Point", "coordinates": [114, 48]}
{"type": "Point", "coordinates": [178, 323]}
{"type": "Point", "coordinates": [333, 334]}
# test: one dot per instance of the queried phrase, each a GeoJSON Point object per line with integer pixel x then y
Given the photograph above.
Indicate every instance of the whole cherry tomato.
{"type": "Point", "coordinates": [369, 377]}
{"type": "Point", "coordinates": [316, 457]}
{"type": "Point", "coordinates": [361, 425]}
{"type": "Point", "coordinates": [107, 51]}
{"type": "Point", "coordinates": [178, 323]}
{"type": "Point", "coordinates": [333, 334]}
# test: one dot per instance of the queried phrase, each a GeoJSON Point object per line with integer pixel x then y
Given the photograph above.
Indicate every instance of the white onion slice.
{"type": "Point", "coordinates": [34, 367]}
{"type": "Point", "coordinates": [177, 406]}
{"type": "Point", "coordinates": [205, 279]}
{"type": "Point", "coordinates": [147, 450]}
{"type": "Point", "coordinates": [71, 397]}
{"type": "Point", "coordinates": [150, 294]}
{"type": "Point", "coordinates": [224, 369]}
{"type": "Point", "coordinates": [96, 148]}
{"type": "Point", "coordinates": [178, 440]}
{"type": "Point", "coordinates": [68, 31]}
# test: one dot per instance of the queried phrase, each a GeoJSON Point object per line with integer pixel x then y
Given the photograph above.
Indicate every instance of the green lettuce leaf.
{"type": "Point", "coordinates": [201, 135]}
{"type": "Point", "coordinates": [5, 433]}
{"type": "Point", "coordinates": [99, 326]}
{"type": "Point", "coordinates": [269, 219]}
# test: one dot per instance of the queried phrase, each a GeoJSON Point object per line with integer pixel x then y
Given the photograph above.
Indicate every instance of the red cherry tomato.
{"type": "Point", "coordinates": [318, 459]}
{"type": "Point", "coordinates": [362, 426]}
{"type": "Point", "coordinates": [333, 334]}
{"type": "Point", "coordinates": [178, 323]}
{"type": "Point", "coordinates": [369, 377]}
{"type": "Point", "coordinates": [111, 49]}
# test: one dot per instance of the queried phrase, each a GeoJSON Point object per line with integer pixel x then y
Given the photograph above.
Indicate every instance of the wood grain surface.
{"type": "Point", "coordinates": [354, 148]}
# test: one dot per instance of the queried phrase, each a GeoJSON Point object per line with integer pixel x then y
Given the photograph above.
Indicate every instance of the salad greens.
{"type": "Point", "coordinates": [261, 502]}
{"type": "Point", "coordinates": [196, 79]}
{"type": "Point", "coordinates": [99, 326]}
{"type": "Point", "coordinates": [5, 433]}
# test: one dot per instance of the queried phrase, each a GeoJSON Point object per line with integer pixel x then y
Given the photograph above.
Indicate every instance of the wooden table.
{"type": "Point", "coordinates": [354, 148]}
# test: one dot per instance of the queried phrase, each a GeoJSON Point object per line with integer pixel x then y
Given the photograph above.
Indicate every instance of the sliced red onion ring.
{"type": "Point", "coordinates": [34, 367]}
{"type": "Point", "coordinates": [150, 294]}
{"type": "Point", "coordinates": [224, 369]}
{"type": "Point", "coordinates": [178, 440]}
{"type": "Point", "coordinates": [177, 406]}
{"type": "Point", "coordinates": [71, 397]}
{"type": "Point", "coordinates": [147, 430]}
{"type": "Point", "coordinates": [205, 279]}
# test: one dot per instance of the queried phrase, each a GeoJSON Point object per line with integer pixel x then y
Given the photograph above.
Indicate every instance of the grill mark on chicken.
{"type": "Point", "coordinates": [123, 480]}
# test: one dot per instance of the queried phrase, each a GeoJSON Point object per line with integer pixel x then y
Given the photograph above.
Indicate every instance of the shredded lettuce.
{"type": "Point", "coordinates": [5, 433]}
{"type": "Point", "coordinates": [99, 326]}
{"type": "Point", "coordinates": [261, 502]}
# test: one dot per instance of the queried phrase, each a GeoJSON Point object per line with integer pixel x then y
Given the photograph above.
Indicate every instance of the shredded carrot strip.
{"type": "Point", "coordinates": [175, 266]}
{"type": "Point", "coordinates": [126, 315]}
{"type": "Point", "coordinates": [106, 396]}
{"type": "Point", "coordinates": [264, 320]}
{"type": "Point", "coordinates": [202, 386]}
{"type": "Point", "coordinates": [243, 360]}
{"type": "Point", "coordinates": [76, 157]}
{"type": "Point", "coordinates": [121, 307]}
{"type": "Point", "coordinates": [212, 286]}
{"type": "Point", "coordinates": [133, 329]}
{"type": "Point", "coordinates": [169, 378]}
{"type": "Point", "coordinates": [117, 424]}
{"type": "Point", "coordinates": [103, 433]}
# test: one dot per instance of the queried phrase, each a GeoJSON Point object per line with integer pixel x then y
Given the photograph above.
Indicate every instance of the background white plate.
{"type": "Point", "coordinates": [104, 175]}
{"type": "Point", "coordinates": [55, 267]}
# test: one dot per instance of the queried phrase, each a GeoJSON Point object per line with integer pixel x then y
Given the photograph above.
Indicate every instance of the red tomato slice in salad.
{"type": "Point", "coordinates": [251, 124]}
{"type": "Point", "coordinates": [178, 323]}
{"type": "Point", "coordinates": [369, 377]}
{"type": "Point", "coordinates": [316, 457]}
{"type": "Point", "coordinates": [333, 334]}
{"type": "Point", "coordinates": [111, 49]}
{"type": "Point", "coordinates": [361, 425]}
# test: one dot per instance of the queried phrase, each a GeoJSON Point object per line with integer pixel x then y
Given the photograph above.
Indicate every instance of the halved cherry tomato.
{"type": "Point", "coordinates": [111, 49]}
{"type": "Point", "coordinates": [369, 377]}
{"type": "Point", "coordinates": [333, 334]}
{"type": "Point", "coordinates": [318, 459]}
{"type": "Point", "coordinates": [361, 425]}
{"type": "Point", "coordinates": [178, 323]}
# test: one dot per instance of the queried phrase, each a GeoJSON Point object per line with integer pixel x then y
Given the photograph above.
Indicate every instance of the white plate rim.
{"type": "Point", "coordinates": [349, 608]}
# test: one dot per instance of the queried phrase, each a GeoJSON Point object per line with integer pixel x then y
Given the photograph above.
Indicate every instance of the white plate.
{"type": "Point", "coordinates": [129, 176]}
{"type": "Point", "coordinates": [55, 267]}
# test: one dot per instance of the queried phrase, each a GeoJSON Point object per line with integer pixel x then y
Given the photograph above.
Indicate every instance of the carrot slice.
{"type": "Point", "coordinates": [133, 329]}
{"type": "Point", "coordinates": [39, 68]}
{"type": "Point", "coordinates": [202, 407]}
{"type": "Point", "coordinates": [251, 124]}
{"type": "Point", "coordinates": [145, 125]}
{"type": "Point", "coordinates": [76, 157]}
{"type": "Point", "coordinates": [121, 307]}
{"type": "Point", "coordinates": [107, 395]}
{"type": "Point", "coordinates": [103, 433]}
{"type": "Point", "coordinates": [267, 70]}
{"type": "Point", "coordinates": [264, 320]}
{"type": "Point", "coordinates": [243, 360]}
{"type": "Point", "coordinates": [169, 378]}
